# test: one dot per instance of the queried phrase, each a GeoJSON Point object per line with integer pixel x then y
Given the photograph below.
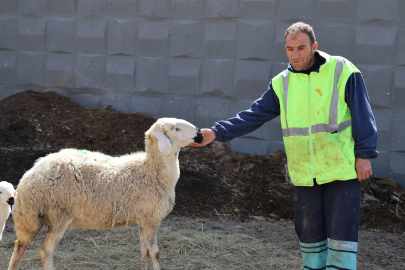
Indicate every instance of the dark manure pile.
{"type": "Point", "coordinates": [214, 182]}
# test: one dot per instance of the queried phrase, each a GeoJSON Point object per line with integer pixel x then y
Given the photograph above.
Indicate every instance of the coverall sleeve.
{"type": "Point", "coordinates": [364, 129]}
{"type": "Point", "coordinates": [262, 110]}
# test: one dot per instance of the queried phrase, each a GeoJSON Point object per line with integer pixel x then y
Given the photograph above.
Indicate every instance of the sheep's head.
{"type": "Point", "coordinates": [172, 132]}
{"type": "Point", "coordinates": [7, 193]}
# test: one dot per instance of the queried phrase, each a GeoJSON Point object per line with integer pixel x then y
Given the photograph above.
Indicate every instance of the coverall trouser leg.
{"type": "Point", "coordinates": [327, 219]}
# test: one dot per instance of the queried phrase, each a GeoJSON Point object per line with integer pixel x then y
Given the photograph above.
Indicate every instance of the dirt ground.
{"type": "Point", "coordinates": [215, 187]}
{"type": "Point", "coordinates": [201, 243]}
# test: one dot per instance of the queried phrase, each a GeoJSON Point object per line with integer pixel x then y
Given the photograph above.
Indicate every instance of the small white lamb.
{"type": "Point", "coordinates": [77, 189]}
{"type": "Point", "coordinates": [7, 193]}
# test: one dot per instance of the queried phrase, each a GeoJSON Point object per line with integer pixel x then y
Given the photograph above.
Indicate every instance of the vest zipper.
{"type": "Point", "coordinates": [310, 125]}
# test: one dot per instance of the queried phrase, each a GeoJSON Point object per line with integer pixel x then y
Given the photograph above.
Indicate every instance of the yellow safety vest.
{"type": "Point", "coordinates": [316, 122]}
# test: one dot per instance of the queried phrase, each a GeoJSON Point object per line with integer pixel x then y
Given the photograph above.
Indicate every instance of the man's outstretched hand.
{"type": "Point", "coordinates": [363, 168]}
{"type": "Point", "coordinates": [209, 136]}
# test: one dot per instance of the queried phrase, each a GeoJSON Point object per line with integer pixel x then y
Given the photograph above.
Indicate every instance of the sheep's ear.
{"type": "Point", "coordinates": [163, 143]}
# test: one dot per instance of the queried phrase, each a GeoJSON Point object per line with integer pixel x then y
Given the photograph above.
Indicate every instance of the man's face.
{"type": "Point", "coordinates": [299, 50]}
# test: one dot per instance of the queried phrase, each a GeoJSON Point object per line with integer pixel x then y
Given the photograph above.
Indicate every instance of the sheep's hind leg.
{"type": "Point", "coordinates": [21, 244]}
{"type": "Point", "coordinates": [52, 238]}
{"type": "Point", "coordinates": [144, 249]}
{"type": "Point", "coordinates": [151, 242]}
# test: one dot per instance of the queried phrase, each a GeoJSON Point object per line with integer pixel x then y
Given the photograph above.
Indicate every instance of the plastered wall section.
{"type": "Point", "coordinates": [202, 61]}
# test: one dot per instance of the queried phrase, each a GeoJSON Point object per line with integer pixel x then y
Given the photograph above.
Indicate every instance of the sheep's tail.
{"type": "Point", "coordinates": [13, 206]}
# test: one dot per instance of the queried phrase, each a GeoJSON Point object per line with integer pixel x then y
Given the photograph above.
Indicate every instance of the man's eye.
{"type": "Point", "coordinates": [177, 129]}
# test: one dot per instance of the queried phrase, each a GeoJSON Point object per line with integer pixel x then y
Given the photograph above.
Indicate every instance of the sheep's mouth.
{"type": "Point", "coordinates": [11, 201]}
{"type": "Point", "coordinates": [199, 138]}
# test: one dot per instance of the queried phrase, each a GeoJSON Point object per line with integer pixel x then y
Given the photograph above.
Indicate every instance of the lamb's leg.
{"type": "Point", "coordinates": [52, 238]}
{"type": "Point", "coordinates": [21, 244]}
{"type": "Point", "coordinates": [151, 242]}
{"type": "Point", "coordinates": [144, 249]}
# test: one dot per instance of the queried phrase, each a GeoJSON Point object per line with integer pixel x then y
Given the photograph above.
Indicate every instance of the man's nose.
{"type": "Point", "coordinates": [295, 54]}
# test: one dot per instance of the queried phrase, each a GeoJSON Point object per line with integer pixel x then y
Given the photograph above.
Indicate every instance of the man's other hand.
{"type": "Point", "coordinates": [363, 168]}
{"type": "Point", "coordinates": [209, 136]}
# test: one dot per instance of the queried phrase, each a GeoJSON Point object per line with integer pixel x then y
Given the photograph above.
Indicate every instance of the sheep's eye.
{"type": "Point", "coordinates": [177, 129]}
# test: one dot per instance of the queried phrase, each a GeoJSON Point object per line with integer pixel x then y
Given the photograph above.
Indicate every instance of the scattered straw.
{"type": "Point", "coordinates": [179, 249]}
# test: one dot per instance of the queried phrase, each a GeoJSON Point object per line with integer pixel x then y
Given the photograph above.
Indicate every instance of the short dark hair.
{"type": "Point", "coordinates": [301, 26]}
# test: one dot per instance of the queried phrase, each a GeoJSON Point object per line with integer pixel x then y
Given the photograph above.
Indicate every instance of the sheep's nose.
{"type": "Point", "coordinates": [10, 201]}
{"type": "Point", "coordinates": [199, 137]}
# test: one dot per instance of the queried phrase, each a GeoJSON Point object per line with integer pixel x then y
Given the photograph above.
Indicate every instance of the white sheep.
{"type": "Point", "coordinates": [78, 189]}
{"type": "Point", "coordinates": [7, 193]}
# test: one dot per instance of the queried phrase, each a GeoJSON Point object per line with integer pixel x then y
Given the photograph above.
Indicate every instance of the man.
{"type": "Point", "coordinates": [329, 134]}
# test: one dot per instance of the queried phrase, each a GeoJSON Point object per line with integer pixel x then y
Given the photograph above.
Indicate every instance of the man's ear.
{"type": "Point", "coordinates": [314, 47]}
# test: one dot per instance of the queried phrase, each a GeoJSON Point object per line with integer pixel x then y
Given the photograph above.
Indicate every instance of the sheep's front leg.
{"type": "Point", "coordinates": [144, 249]}
{"type": "Point", "coordinates": [151, 242]}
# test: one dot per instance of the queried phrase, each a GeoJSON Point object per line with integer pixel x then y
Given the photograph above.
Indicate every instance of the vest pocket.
{"type": "Point", "coordinates": [330, 159]}
{"type": "Point", "coordinates": [350, 207]}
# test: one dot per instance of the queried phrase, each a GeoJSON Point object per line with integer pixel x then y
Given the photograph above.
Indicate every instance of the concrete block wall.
{"type": "Point", "coordinates": [201, 60]}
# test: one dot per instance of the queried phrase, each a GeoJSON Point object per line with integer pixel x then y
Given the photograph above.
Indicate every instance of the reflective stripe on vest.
{"type": "Point", "coordinates": [333, 126]}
